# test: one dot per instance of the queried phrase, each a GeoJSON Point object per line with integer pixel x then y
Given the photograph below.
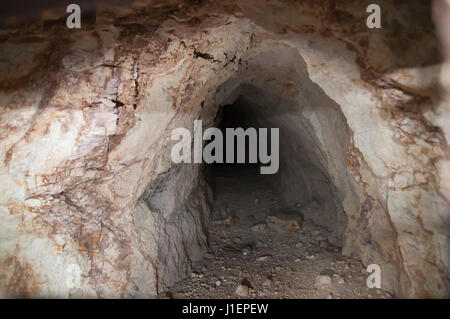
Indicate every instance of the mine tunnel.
{"type": "Point", "coordinates": [119, 181]}
{"type": "Point", "coordinates": [298, 178]}
{"type": "Point", "coordinates": [257, 218]}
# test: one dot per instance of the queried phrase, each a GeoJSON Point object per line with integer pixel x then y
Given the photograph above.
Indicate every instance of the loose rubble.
{"type": "Point", "coordinates": [282, 264]}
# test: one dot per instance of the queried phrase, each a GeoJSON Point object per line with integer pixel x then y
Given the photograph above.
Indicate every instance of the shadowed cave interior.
{"type": "Point", "coordinates": [310, 188]}
{"type": "Point", "coordinates": [259, 221]}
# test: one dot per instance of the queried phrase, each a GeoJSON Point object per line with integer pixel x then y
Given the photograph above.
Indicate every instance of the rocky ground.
{"type": "Point", "coordinates": [257, 250]}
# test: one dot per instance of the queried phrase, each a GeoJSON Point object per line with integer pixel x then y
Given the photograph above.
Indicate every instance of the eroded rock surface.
{"type": "Point", "coordinates": [86, 118]}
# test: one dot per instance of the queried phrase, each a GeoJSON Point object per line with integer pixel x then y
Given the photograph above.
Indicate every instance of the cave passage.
{"type": "Point", "coordinates": [258, 238]}
{"type": "Point", "coordinates": [301, 183]}
{"type": "Point", "coordinates": [243, 192]}
{"type": "Point", "coordinates": [229, 180]}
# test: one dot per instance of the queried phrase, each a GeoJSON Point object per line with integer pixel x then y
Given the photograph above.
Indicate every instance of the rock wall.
{"type": "Point", "coordinates": [86, 118]}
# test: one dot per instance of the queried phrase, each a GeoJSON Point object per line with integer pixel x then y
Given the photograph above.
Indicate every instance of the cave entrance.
{"type": "Point", "coordinates": [298, 186]}
{"type": "Point", "coordinates": [272, 235]}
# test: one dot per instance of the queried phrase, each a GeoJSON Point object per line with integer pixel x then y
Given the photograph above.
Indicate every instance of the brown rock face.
{"type": "Point", "coordinates": [86, 120]}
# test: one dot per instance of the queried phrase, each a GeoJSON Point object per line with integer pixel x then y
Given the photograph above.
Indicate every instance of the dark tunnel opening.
{"type": "Point", "coordinates": [301, 186]}
{"type": "Point", "coordinates": [255, 227]}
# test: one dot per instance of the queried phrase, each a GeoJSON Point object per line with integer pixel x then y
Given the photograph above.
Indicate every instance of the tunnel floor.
{"type": "Point", "coordinates": [250, 257]}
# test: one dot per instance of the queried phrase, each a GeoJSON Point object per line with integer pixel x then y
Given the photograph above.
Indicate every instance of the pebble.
{"type": "Point", "coordinates": [246, 250]}
{"type": "Point", "coordinates": [282, 223]}
{"type": "Point", "coordinates": [218, 282]}
{"type": "Point", "coordinates": [258, 227]}
{"type": "Point", "coordinates": [322, 281]}
{"type": "Point", "coordinates": [209, 255]}
{"type": "Point", "coordinates": [267, 282]}
{"type": "Point", "coordinates": [242, 291]}
{"type": "Point", "coordinates": [262, 258]}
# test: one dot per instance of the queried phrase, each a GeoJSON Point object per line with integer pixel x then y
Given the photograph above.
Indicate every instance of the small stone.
{"type": "Point", "coordinates": [322, 281]}
{"type": "Point", "coordinates": [263, 258]}
{"type": "Point", "coordinates": [258, 227]}
{"type": "Point", "coordinates": [284, 222]}
{"type": "Point", "coordinates": [340, 280]}
{"type": "Point", "coordinates": [298, 245]}
{"type": "Point", "coordinates": [194, 275]}
{"type": "Point", "coordinates": [218, 283]}
{"type": "Point", "coordinates": [267, 283]}
{"type": "Point", "coordinates": [330, 296]}
{"type": "Point", "coordinates": [228, 222]}
{"type": "Point", "coordinates": [247, 250]}
{"type": "Point", "coordinates": [242, 291]}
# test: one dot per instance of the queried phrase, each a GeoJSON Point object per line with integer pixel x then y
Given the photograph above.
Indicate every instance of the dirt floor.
{"type": "Point", "coordinates": [255, 256]}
